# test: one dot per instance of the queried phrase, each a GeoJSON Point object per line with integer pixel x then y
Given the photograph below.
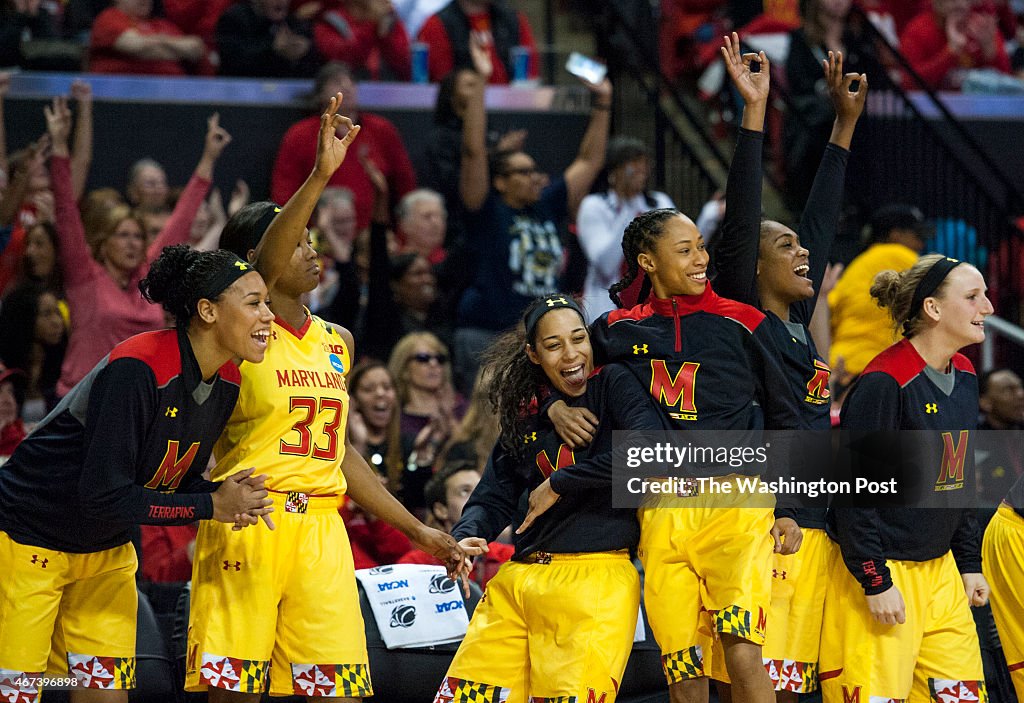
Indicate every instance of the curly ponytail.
{"type": "Point", "coordinates": [640, 236]}
{"type": "Point", "coordinates": [894, 291]}
{"type": "Point", "coordinates": [177, 277]}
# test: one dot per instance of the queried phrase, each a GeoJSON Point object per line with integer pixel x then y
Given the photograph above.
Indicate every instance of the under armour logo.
{"type": "Point", "coordinates": [639, 348]}
{"type": "Point", "coordinates": [552, 302]}
{"type": "Point", "coordinates": [776, 574]}
{"type": "Point", "coordinates": [931, 408]}
{"type": "Point", "coordinates": [171, 412]}
{"type": "Point", "coordinates": [242, 266]}
{"type": "Point", "coordinates": [237, 566]}
{"type": "Point", "coordinates": [529, 437]}
{"type": "Point", "coordinates": [42, 562]}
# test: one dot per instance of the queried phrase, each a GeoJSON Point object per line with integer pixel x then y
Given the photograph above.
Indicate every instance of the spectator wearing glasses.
{"type": "Point", "coordinates": [430, 408]}
{"type": "Point", "coordinates": [514, 220]}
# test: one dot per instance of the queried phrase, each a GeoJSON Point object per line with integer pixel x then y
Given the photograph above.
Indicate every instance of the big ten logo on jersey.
{"type": "Point", "coordinates": [563, 458]}
{"type": "Point", "coordinates": [817, 387]}
{"type": "Point", "coordinates": [675, 391]}
{"type": "Point", "coordinates": [172, 467]}
{"type": "Point", "coordinates": [951, 468]}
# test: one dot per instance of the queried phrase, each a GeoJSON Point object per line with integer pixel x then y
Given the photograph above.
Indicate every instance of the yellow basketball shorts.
{"type": "Point", "coordinates": [549, 632]}
{"type": "Point", "coordinates": [707, 571]}
{"type": "Point", "coordinates": [934, 655]}
{"type": "Point", "coordinates": [1002, 553]}
{"type": "Point", "coordinates": [279, 605]}
{"type": "Point", "coordinates": [68, 616]}
{"type": "Point", "coordinates": [798, 599]}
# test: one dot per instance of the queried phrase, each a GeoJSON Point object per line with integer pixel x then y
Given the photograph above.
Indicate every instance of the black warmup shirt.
{"type": "Point", "coordinates": [735, 275]}
{"type": "Point", "coordinates": [127, 445]}
{"type": "Point", "coordinates": [897, 391]}
{"type": "Point", "coordinates": [709, 362]}
{"type": "Point", "coordinates": [583, 520]}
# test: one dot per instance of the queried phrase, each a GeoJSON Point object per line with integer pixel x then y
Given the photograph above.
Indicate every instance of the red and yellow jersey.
{"type": "Point", "coordinates": [292, 411]}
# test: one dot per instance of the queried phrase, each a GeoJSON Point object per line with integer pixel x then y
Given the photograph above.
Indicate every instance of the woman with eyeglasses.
{"type": "Point", "coordinates": [513, 221]}
{"type": "Point", "coordinates": [421, 366]}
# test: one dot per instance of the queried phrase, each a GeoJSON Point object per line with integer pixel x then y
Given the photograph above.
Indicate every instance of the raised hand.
{"type": "Point", "coordinates": [331, 151]}
{"type": "Point", "coordinates": [848, 104]}
{"type": "Point", "coordinates": [217, 138]}
{"type": "Point", "coordinates": [58, 124]}
{"type": "Point", "coordinates": [81, 91]}
{"type": "Point", "coordinates": [753, 86]}
{"type": "Point", "coordinates": [481, 57]}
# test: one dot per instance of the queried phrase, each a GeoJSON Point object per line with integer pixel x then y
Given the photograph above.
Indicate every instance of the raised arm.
{"type": "Point", "coordinates": [275, 248]}
{"type": "Point", "coordinates": [590, 158]}
{"type": "Point", "coordinates": [76, 262]}
{"type": "Point", "coordinates": [81, 157]}
{"type": "Point", "coordinates": [179, 226]}
{"type": "Point", "coordinates": [736, 245]}
{"type": "Point", "coordinates": [475, 177]}
{"type": "Point", "coordinates": [820, 220]}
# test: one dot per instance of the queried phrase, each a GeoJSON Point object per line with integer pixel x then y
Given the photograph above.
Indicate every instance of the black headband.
{"type": "Point", "coordinates": [929, 284]}
{"type": "Point", "coordinates": [264, 223]}
{"type": "Point", "coordinates": [552, 302]}
{"type": "Point", "coordinates": [230, 272]}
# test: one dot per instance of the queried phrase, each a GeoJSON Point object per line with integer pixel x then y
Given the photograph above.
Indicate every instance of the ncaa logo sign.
{"type": "Point", "coordinates": [382, 569]}
{"type": "Point", "coordinates": [440, 583]}
{"type": "Point", "coordinates": [393, 585]}
{"type": "Point", "coordinates": [336, 363]}
{"type": "Point", "coordinates": [403, 616]}
{"type": "Point", "coordinates": [449, 606]}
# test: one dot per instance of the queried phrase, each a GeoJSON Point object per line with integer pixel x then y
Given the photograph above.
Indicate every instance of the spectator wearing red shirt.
{"type": "Point", "coordinates": [953, 35]}
{"type": "Point", "coordinates": [167, 552]}
{"type": "Point", "coordinates": [197, 17]}
{"type": "Point", "coordinates": [126, 39]}
{"type": "Point", "coordinates": [498, 26]}
{"type": "Point", "coordinates": [446, 494]}
{"type": "Point", "coordinates": [374, 542]}
{"type": "Point", "coordinates": [367, 35]}
{"type": "Point", "coordinates": [379, 142]}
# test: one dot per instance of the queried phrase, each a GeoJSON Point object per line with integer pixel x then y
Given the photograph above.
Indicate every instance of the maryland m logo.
{"type": "Point", "coordinates": [172, 469]}
{"type": "Point", "coordinates": [562, 459]}
{"type": "Point", "coordinates": [817, 387]}
{"type": "Point", "coordinates": [851, 696]}
{"type": "Point", "coordinates": [951, 471]}
{"type": "Point", "coordinates": [677, 391]}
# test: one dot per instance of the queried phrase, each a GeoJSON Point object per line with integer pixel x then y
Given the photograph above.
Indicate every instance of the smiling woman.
{"type": "Point", "coordinates": [919, 569]}
{"type": "Point", "coordinates": [127, 446]}
{"type": "Point", "coordinates": [571, 561]}
{"type": "Point", "coordinates": [102, 292]}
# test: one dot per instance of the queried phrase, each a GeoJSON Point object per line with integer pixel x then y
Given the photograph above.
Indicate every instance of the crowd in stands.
{"type": "Point", "coordinates": [941, 39]}
{"type": "Point", "coordinates": [263, 38]}
{"type": "Point", "coordinates": [425, 271]}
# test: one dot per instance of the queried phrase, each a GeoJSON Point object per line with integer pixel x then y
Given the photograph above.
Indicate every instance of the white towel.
{"type": "Point", "coordinates": [415, 605]}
